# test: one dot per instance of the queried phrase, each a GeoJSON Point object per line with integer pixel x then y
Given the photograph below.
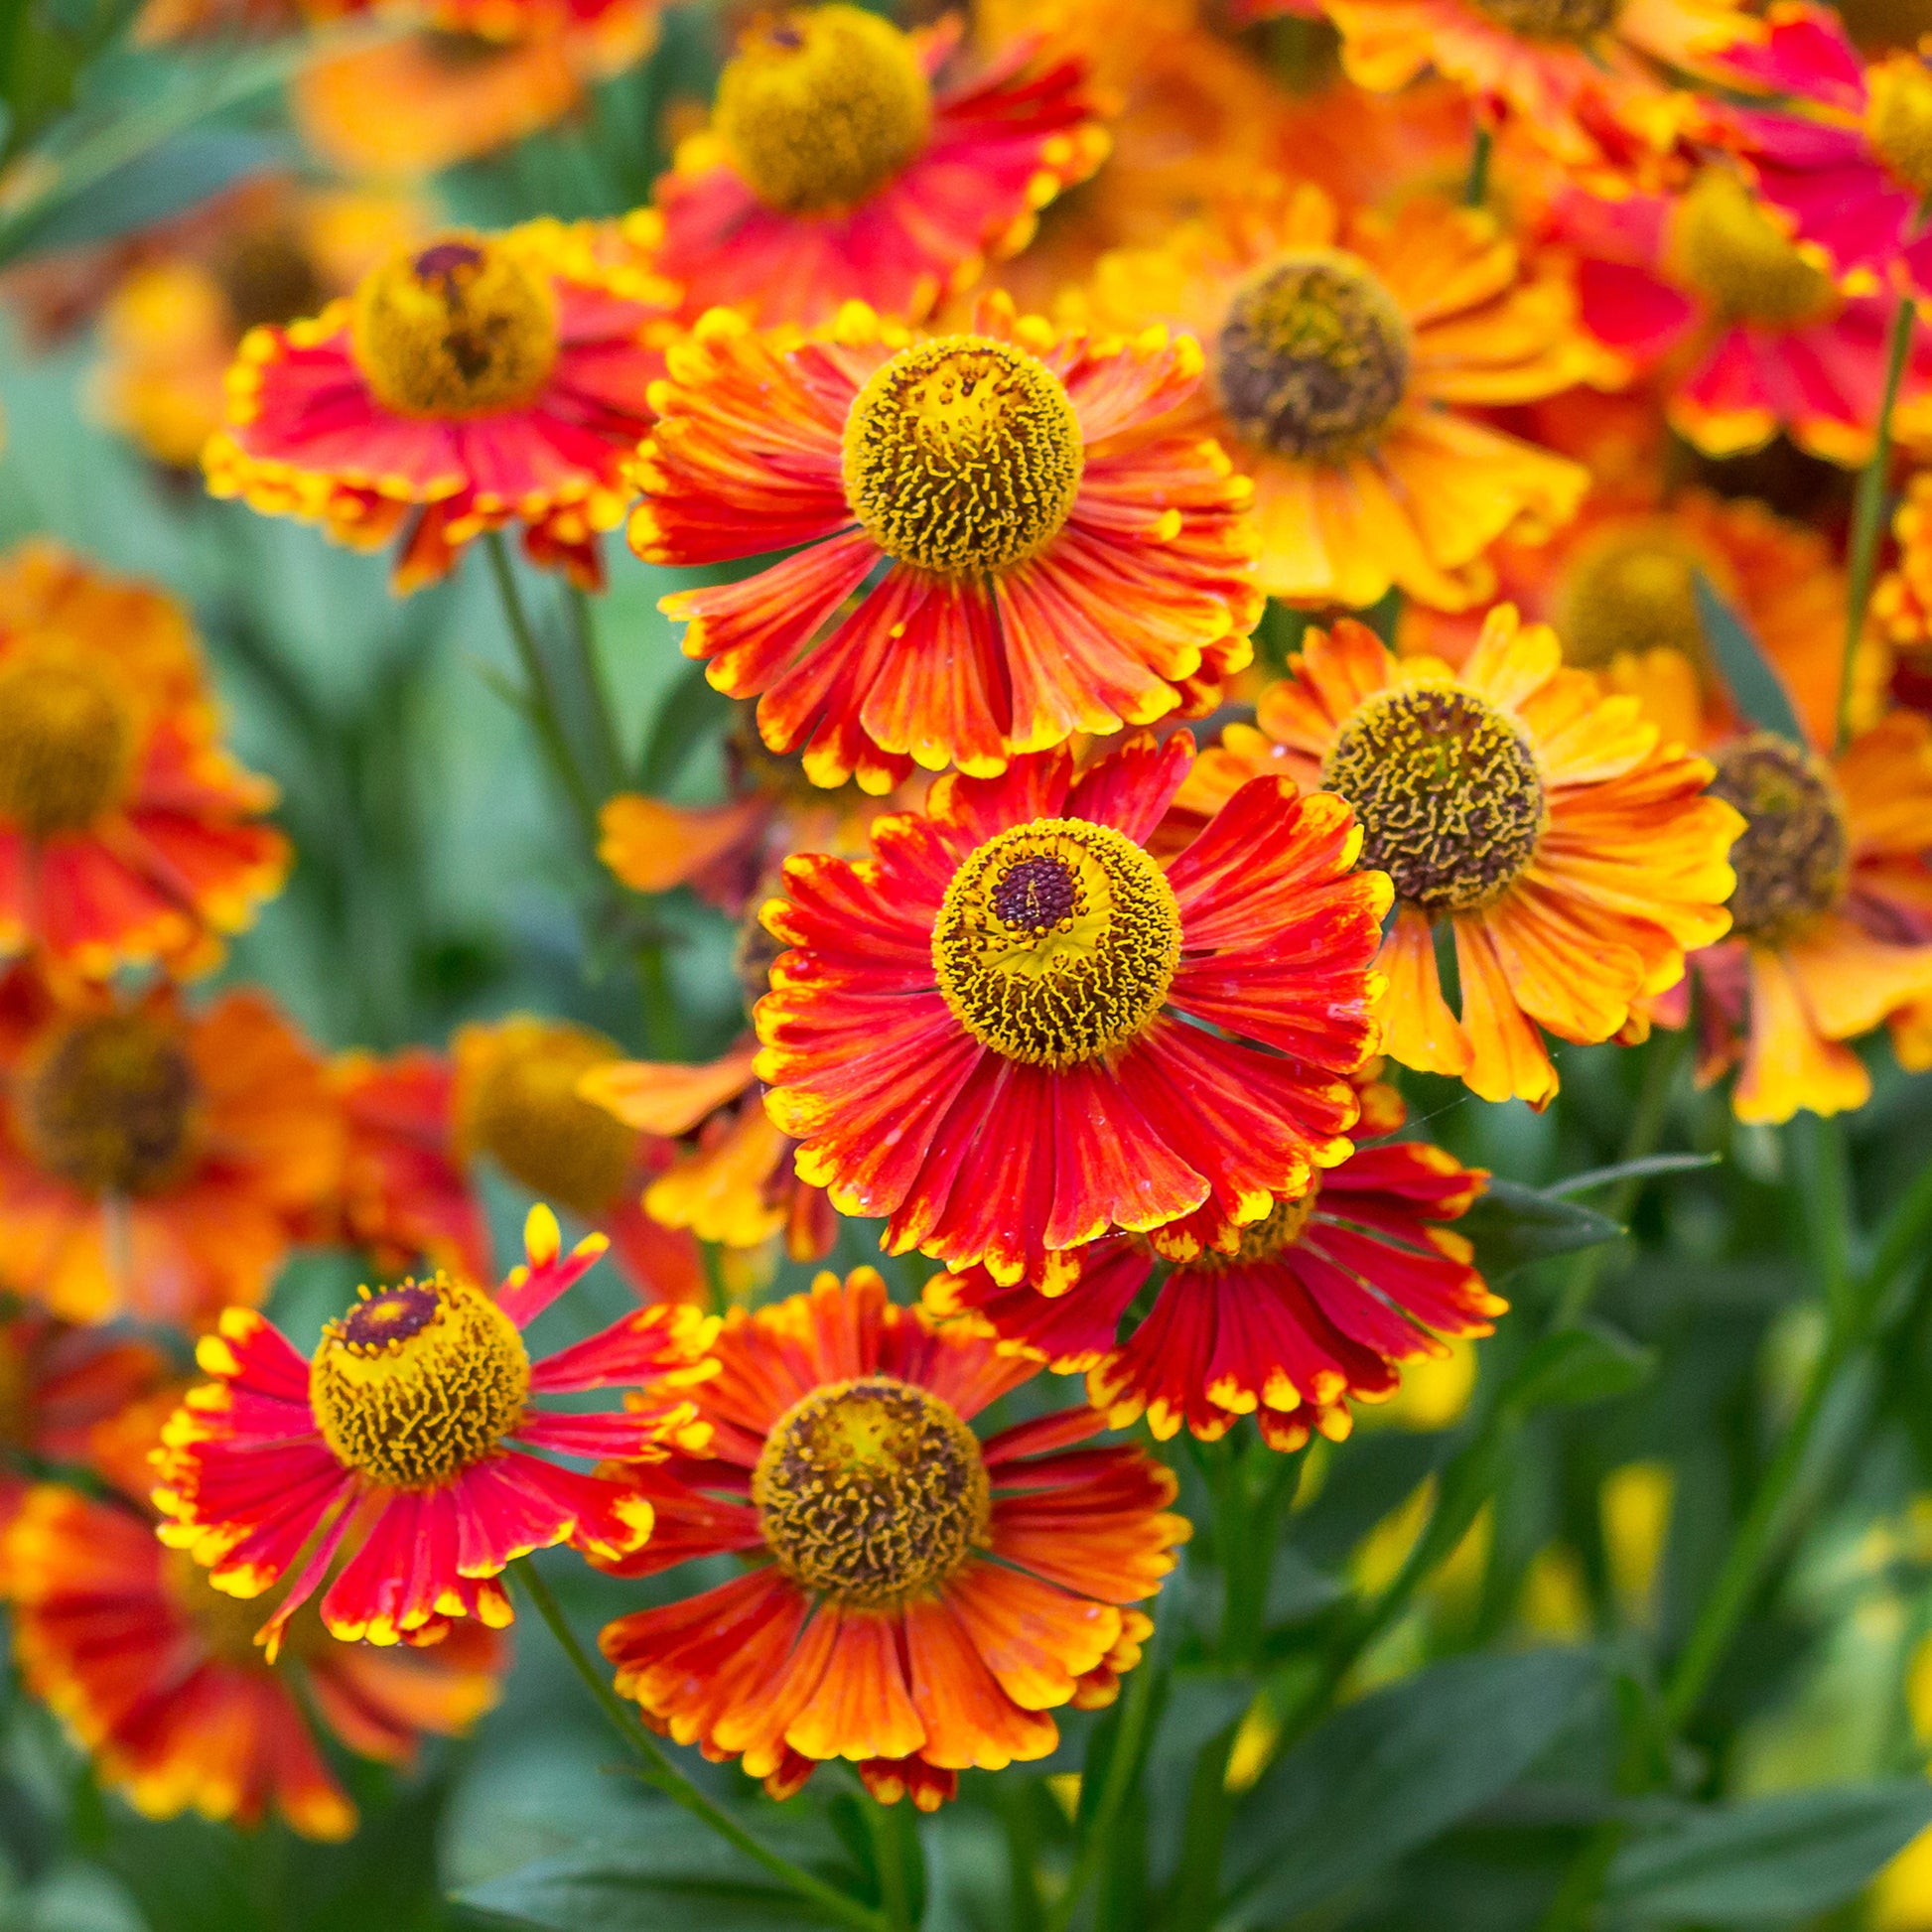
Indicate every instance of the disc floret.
{"type": "Point", "coordinates": [67, 742]}
{"type": "Point", "coordinates": [1732, 252]}
{"type": "Point", "coordinates": [111, 1104]}
{"type": "Point", "coordinates": [1566, 21]}
{"type": "Point", "coordinates": [1632, 593]}
{"type": "Point", "coordinates": [1898, 118]}
{"type": "Point", "coordinates": [1794, 855]}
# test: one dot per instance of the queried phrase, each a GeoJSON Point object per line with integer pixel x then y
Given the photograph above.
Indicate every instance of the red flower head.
{"type": "Point", "coordinates": [984, 1031]}
{"type": "Point", "coordinates": [406, 1445]}
{"type": "Point", "coordinates": [964, 1589]}
{"type": "Point", "coordinates": [848, 161]}
{"type": "Point", "coordinates": [480, 381]}
{"type": "Point", "coordinates": [1053, 565]}
{"type": "Point", "coordinates": [1287, 1320]}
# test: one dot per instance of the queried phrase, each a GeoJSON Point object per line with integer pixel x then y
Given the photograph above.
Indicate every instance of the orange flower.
{"type": "Point", "coordinates": [1343, 358]}
{"type": "Point", "coordinates": [1574, 860]}
{"type": "Point", "coordinates": [514, 1098]}
{"type": "Point", "coordinates": [151, 1159]}
{"type": "Point", "coordinates": [481, 381]}
{"type": "Point", "coordinates": [1902, 605]}
{"type": "Point", "coordinates": [1287, 1321]}
{"type": "Point", "coordinates": [1053, 565]}
{"type": "Point", "coordinates": [848, 161]}
{"type": "Point", "coordinates": [154, 1675]}
{"type": "Point", "coordinates": [126, 832]}
{"type": "Point", "coordinates": [1011, 1030]}
{"type": "Point", "coordinates": [972, 1587]}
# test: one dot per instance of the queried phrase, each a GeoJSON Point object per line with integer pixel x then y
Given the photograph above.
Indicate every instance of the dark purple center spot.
{"type": "Point", "coordinates": [1036, 893]}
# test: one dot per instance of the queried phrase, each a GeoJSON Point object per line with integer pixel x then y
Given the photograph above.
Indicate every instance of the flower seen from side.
{"type": "Point", "coordinates": [921, 1597]}
{"type": "Point", "coordinates": [1052, 562]}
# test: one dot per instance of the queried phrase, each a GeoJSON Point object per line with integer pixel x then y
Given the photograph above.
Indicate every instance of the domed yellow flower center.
{"type": "Point", "coordinates": [67, 742]}
{"type": "Point", "coordinates": [871, 1489]}
{"type": "Point", "coordinates": [1313, 355]}
{"type": "Point", "coordinates": [111, 1104]}
{"type": "Point", "coordinates": [1553, 20]}
{"type": "Point", "coordinates": [460, 329]}
{"type": "Point", "coordinates": [269, 277]}
{"type": "Point", "coordinates": [1056, 941]}
{"type": "Point", "coordinates": [1634, 591]}
{"type": "Point", "coordinates": [1447, 793]}
{"type": "Point", "coordinates": [1795, 853]}
{"type": "Point", "coordinates": [1281, 1228]}
{"type": "Point", "coordinates": [962, 455]}
{"type": "Point", "coordinates": [1898, 119]}
{"type": "Point", "coordinates": [417, 1383]}
{"type": "Point", "coordinates": [1733, 253]}
{"type": "Point", "coordinates": [522, 1109]}
{"type": "Point", "coordinates": [821, 107]}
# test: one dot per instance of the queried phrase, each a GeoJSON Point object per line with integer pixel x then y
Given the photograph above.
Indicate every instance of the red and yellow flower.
{"type": "Point", "coordinates": [1573, 857]}
{"type": "Point", "coordinates": [481, 381]}
{"type": "Point", "coordinates": [155, 1159]}
{"type": "Point", "coordinates": [127, 834]}
{"type": "Point", "coordinates": [1053, 563]}
{"type": "Point", "coordinates": [1901, 602]}
{"type": "Point", "coordinates": [1287, 1321]}
{"type": "Point", "coordinates": [848, 161]}
{"type": "Point", "coordinates": [1344, 357]}
{"type": "Point", "coordinates": [154, 1675]}
{"type": "Point", "coordinates": [405, 1446]}
{"type": "Point", "coordinates": [1011, 1030]}
{"type": "Point", "coordinates": [926, 1621]}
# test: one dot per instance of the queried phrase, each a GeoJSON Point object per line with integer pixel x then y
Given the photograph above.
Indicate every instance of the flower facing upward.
{"type": "Point", "coordinates": [479, 381]}
{"type": "Point", "coordinates": [1343, 357]}
{"type": "Point", "coordinates": [1053, 565]}
{"type": "Point", "coordinates": [1288, 1319]}
{"type": "Point", "coordinates": [921, 1597]}
{"type": "Point", "coordinates": [153, 1673]}
{"type": "Point", "coordinates": [126, 833]}
{"type": "Point", "coordinates": [1574, 860]}
{"type": "Point", "coordinates": [1011, 1030]}
{"type": "Point", "coordinates": [848, 161]}
{"type": "Point", "coordinates": [405, 1444]}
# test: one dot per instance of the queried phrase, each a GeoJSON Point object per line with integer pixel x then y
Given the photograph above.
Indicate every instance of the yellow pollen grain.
{"type": "Point", "coordinates": [1794, 856]}
{"type": "Point", "coordinates": [67, 740]}
{"type": "Point", "coordinates": [1730, 251]}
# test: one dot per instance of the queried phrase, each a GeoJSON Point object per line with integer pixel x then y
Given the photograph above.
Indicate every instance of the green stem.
{"type": "Point", "coordinates": [663, 1775]}
{"type": "Point", "coordinates": [1122, 1767]}
{"type": "Point", "coordinates": [889, 1849]}
{"type": "Point", "coordinates": [1476, 191]}
{"type": "Point", "coordinates": [1867, 515]}
{"type": "Point", "coordinates": [588, 667]}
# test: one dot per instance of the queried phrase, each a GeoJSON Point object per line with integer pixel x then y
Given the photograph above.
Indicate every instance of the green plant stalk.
{"type": "Point", "coordinates": [894, 1893]}
{"type": "Point", "coordinates": [1867, 515]}
{"type": "Point", "coordinates": [1123, 1767]}
{"type": "Point", "coordinates": [663, 1775]}
{"type": "Point", "coordinates": [1477, 190]}
{"type": "Point", "coordinates": [588, 667]}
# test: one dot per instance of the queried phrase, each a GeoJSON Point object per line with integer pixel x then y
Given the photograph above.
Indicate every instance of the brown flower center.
{"type": "Point", "coordinates": [1730, 251]}
{"type": "Point", "coordinates": [962, 455]}
{"type": "Point", "coordinates": [871, 1489]}
{"type": "Point", "coordinates": [1632, 592]}
{"type": "Point", "coordinates": [111, 1104]}
{"type": "Point", "coordinates": [1898, 119]}
{"type": "Point", "coordinates": [1795, 853]}
{"type": "Point", "coordinates": [1574, 21]}
{"type": "Point", "coordinates": [461, 328]}
{"type": "Point", "coordinates": [1447, 793]}
{"type": "Point", "coordinates": [268, 277]}
{"type": "Point", "coordinates": [67, 742]}
{"type": "Point", "coordinates": [821, 107]}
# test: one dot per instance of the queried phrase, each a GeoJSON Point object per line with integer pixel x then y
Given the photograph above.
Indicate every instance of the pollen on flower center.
{"type": "Point", "coordinates": [66, 742]}
{"type": "Point", "coordinates": [1553, 20]}
{"type": "Point", "coordinates": [418, 1382]}
{"type": "Point", "coordinates": [1794, 853]}
{"type": "Point", "coordinates": [1281, 1228]}
{"type": "Point", "coordinates": [1313, 355]}
{"type": "Point", "coordinates": [1733, 253]}
{"type": "Point", "coordinates": [1057, 941]}
{"type": "Point", "coordinates": [821, 107]}
{"type": "Point", "coordinates": [459, 328]}
{"type": "Point", "coordinates": [524, 1112]}
{"type": "Point", "coordinates": [962, 453]}
{"type": "Point", "coordinates": [871, 1489]}
{"type": "Point", "coordinates": [269, 278]}
{"type": "Point", "coordinates": [111, 1104]}
{"type": "Point", "coordinates": [1898, 118]}
{"type": "Point", "coordinates": [1445, 790]}
{"type": "Point", "coordinates": [1633, 592]}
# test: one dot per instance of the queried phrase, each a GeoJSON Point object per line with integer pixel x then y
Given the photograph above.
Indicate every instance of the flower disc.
{"type": "Point", "coordinates": [67, 740]}
{"type": "Point", "coordinates": [111, 1103]}
{"type": "Point", "coordinates": [1795, 853]}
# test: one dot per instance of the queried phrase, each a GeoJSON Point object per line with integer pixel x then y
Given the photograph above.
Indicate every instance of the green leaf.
{"type": "Point", "coordinates": [184, 172]}
{"type": "Point", "coordinates": [1650, 1166]}
{"type": "Point", "coordinates": [1591, 1362]}
{"type": "Point", "coordinates": [1514, 1225]}
{"type": "Point", "coordinates": [1755, 687]}
{"type": "Point", "coordinates": [1768, 1858]}
{"type": "Point", "coordinates": [1385, 1775]}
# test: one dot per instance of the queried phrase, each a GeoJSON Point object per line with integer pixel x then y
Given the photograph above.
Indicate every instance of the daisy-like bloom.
{"type": "Point", "coordinates": [127, 834]}
{"type": "Point", "coordinates": [921, 1596]}
{"type": "Point", "coordinates": [1847, 161]}
{"type": "Point", "coordinates": [1342, 359]}
{"type": "Point", "coordinates": [155, 1159]}
{"type": "Point", "coordinates": [1748, 333]}
{"type": "Point", "coordinates": [1574, 859]}
{"type": "Point", "coordinates": [514, 1100]}
{"type": "Point", "coordinates": [1901, 604]}
{"type": "Point", "coordinates": [480, 381]}
{"type": "Point", "coordinates": [155, 1676]}
{"type": "Point", "coordinates": [405, 1446]}
{"type": "Point", "coordinates": [1011, 1030]}
{"type": "Point", "coordinates": [848, 161]}
{"type": "Point", "coordinates": [1054, 564]}
{"type": "Point", "coordinates": [1287, 1320]}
